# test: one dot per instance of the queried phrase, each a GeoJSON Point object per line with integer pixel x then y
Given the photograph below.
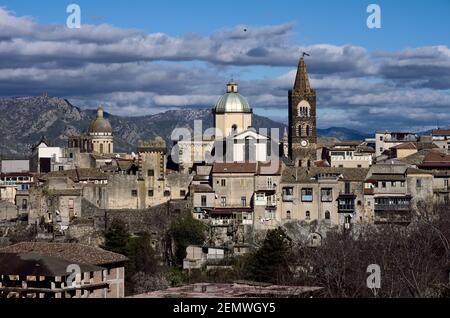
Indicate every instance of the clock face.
{"type": "Point", "coordinates": [304, 143]}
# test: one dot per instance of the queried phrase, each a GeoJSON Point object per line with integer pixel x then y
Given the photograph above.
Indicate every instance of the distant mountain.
{"type": "Point", "coordinates": [343, 133]}
{"type": "Point", "coordinates": [24, 120]}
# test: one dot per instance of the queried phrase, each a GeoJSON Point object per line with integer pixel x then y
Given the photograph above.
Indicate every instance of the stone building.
{"type": "Point", "coordinates": [330, 196]}
{"type": "Point", "coordinates": [41, 270]}
{"type": "Point", "coordinates": [302, 119]}
{"type": "Point", "coordinates": [98, 139]}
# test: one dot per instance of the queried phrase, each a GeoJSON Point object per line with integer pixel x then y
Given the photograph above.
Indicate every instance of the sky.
{"type": "Point", "coordinates": [144, 57]}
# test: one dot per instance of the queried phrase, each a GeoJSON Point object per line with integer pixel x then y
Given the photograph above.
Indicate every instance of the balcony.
{"type": "Point", "coordinates": [307, 198]}
{"type": "Point", "coordinates": [347, 208]}
{"type": "Point", "coordinates": [288, 197]}
{"type": "Point", "coordinates": [393, 207]}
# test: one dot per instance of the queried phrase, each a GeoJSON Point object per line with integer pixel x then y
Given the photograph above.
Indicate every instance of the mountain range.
{"type": "Point", "coordinates": [25, 120]}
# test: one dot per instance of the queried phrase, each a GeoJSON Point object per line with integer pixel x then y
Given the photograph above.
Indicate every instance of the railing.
{"type": "Point", "coordinates": [392, 207]}
{"type": "Point", "coordinates": [288, 197]}
{"type": "Point", "coordinates": [346, 207]}
{"type": "Point", "coordinates": [307, 198]}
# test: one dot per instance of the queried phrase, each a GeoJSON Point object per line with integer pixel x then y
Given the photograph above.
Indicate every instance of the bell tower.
{"type": "Point", "coordinates": [302, 119]}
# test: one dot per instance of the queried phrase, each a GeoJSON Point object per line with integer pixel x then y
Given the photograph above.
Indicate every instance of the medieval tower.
{"type": "Point", "coordinates": [302, 119]}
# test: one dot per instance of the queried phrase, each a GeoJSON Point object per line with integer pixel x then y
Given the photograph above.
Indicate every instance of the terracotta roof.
{"type": "Point", "coordinates": [321, 163]}
{"type": "Point", "coordinates": [436, 159]}
{"type": "Point", "coordinates": [441, 132]}
{"type": "Point", "coordinates": [410, 171]}
{"type": "Point", "coordinates": [235, 167]}
{"type": "Point", "coordinates": [35, 264]}
{"type": "Point", "coordinates": [72, 252]}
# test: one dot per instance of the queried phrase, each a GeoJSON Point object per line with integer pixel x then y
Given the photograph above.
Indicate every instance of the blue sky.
{"type": "Point", "coordinates": [184, 51]}
{"type": "Point", "coordinates": [404, 23]}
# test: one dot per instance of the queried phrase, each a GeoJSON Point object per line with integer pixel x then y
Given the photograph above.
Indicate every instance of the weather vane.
{"type": "Point", "coordinates": [304, 53]}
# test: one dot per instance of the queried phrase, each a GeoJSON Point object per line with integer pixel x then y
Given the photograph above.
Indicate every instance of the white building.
{"type": "Point", "coordinates": [387, 140]}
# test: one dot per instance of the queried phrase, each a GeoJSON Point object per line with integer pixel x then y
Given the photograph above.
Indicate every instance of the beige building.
{"type": "Point", "coordinates": [351, 154]}
{"type": "Point", "coordinates": [330, 196]}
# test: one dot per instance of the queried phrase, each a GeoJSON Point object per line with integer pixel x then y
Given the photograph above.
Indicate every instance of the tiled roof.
{"type": "Point", "coordinates": [72, 252]}
{"type": "Point", "coordinates": [304, 175]}
{"type": "Point", "coordinates": [235, 167]}
{"type": "Point", "coordinates": [441, 132]}
{"type": "Point", "coordinates": [436, 159]}
{"type": "Point", "coordinates": [36, 264]}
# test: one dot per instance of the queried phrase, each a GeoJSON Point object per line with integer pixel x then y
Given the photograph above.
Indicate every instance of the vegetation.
{"type": "Point", "coordinates": [186, 231]}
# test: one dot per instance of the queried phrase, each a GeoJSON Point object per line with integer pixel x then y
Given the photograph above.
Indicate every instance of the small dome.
{"type": "Point", "coordinates": [232, 101]}
{"type": "Point", "coordinates": [100, 124]}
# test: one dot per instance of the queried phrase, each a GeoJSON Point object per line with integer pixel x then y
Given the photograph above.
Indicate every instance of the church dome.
{"type": "Point", "coordinates": [100, 124]}
{"type": "Point", "coordinates": [232, 101]}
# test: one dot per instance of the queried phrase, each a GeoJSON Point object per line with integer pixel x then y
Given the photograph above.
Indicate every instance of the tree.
{"type": "Point", "coordinates": [270, 261]}
{"type": "Point", "coordinates": [117, 238]}
{"type": "Point", "coordinates": [186, 231]}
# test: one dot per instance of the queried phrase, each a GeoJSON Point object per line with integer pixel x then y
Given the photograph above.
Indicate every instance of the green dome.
{"type": "Point", "coordinates": [232, 101]}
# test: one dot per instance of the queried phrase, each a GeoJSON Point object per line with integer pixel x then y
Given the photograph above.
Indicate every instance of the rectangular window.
{"type": "Point", "coordinates": [347, 188]}
{"type": "Point", "coordinates": [134, 193]}
{"type": "Point", "coordinates": [150, 193]}
{"type": "Point", "coordinates": [150, 173]}
{"type": "Point", "coordinates": [383, 184]}
{"type": "Point", "coordinates": [223, 201]}
{"type": "Point", "coordinates": [71, 204]}
{"type": "Point", "coordinates": [167, 193]}
{"type": "Point", "coordinates": [223, 182]}
{"type": "Point", "coordinates": [307, 195]}
{"type": "Point", "coordinates": [419, 183]}
{"type": "Point", "coordinates": [393, 184]}
{"type": "Point", "coordinates": [182, 193]}
{"type": "Point", "coordinates": [244, 201]}
{"type": "Point", "coordinates": [402, 184]}
{"type": "Point", "coordinates": [288, 194]}
{"type": "Point", "coordinates": [446, 183]}
{"type": "Point", "coordinates": [326, 195]}
{"type": "Point", "coordinates": [203, 199]}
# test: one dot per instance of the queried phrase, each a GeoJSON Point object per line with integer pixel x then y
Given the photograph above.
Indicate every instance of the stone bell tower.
{"type": "Point", "coordinates": [302, 119]}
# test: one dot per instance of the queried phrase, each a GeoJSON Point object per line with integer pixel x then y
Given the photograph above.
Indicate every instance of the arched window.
{"type": "Point", "coordinates": [308, 215]}
{"type": "Point", "coordinates": [303, 109]}
{"type": "Point", "coordinates": [327, 216]}
{"type": "Point", "coordinates": [288, 215]}
{"type": "Point", "coordinates": [109, 147]}
{"type": "Point", "coordinates": [101, 148]}
{"type": "Point", "coordinates": [308, 131]}
{"type": "Point", "coordinates": [234, 129]}
{"type": "Point", "coordinates": [309, 163]}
